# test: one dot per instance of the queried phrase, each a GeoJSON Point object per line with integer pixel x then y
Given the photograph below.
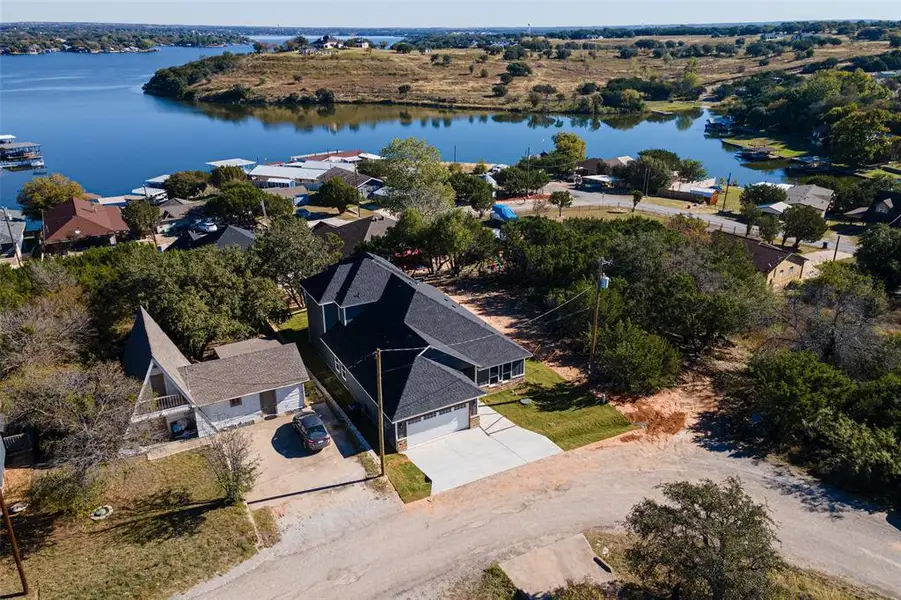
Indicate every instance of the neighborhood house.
{"type": "Point", "coordinates": [436, 356]}
{"type": "Point", "coordinates": [249, 380]}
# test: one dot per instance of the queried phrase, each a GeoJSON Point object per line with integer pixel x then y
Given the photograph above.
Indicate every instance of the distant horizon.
{"type": "Point", "coordinates": [440, 14]}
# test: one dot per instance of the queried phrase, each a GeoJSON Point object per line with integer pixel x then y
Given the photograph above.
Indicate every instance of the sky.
{"type": "Point", "coordinates": [441, 13]}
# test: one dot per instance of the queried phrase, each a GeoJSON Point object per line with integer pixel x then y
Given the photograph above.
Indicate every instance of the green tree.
{"type": "Point", "coordinates": [240, 203]}
{"type": "Point", "coordinates": [804, 223]}
{"type": "Point", "coordinates": [705, 541]}
{"type": "Point", "coordinates": [480, 169]}
{"type": "Point", "coordinates": [569, 147]}
{"type": "Point", "coordinates": [186, 184]}
{"type": "Point", "coordinates": [768, 226]}
{"type": "Point", "coordinates": [861, 138]}
{"type": "Point", "coordinates": [879, 255]}
{"type": "Point", "coordinates": [197, 297]}
{"type": "Point", "coordinates": [43, 193]}
{"type": "Point", "coordinates": [288, 253]}
{"type": "Point", "coordinates": [416, 178]}
{"type": "Point", "coordinates": [752, 215]}
{"type": "Point", "coordinates": [633, 361]}
{"type": "Point", "coordinates": [222, 175]}
{"type": "Point", "coordinates": [561, 199]}
{"type": "Point", "coordinates": [788, 390]}
{"type": "Point", "coordinates": [519, 69]}
{"type": "Point", "coordinates": [337, 193]}
{"type": "Point", "coordinates": [499, 90]}
{"type": "Point", "coordinates": [234, 464]}
{"type": "Point", "coordinates": [647, 174]}
{"type": "Point", "coordinates": [636, 198]}
{"type": "Point", "coordinates": [631, 101]}
{"type": "Point", "coordinates": [691, 170]}
{"type": "Point", "coordinates": [472, 190]}
{"type": "Point", "coordinates": [762, 195]}
{"type": "Point", "coordinates": [517, 181]}
{"type": "Point", "coordinates": [142, 217]}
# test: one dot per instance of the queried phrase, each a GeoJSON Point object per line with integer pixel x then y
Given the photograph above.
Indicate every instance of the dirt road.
{"type": "Point", "coordinates": [418, 550]}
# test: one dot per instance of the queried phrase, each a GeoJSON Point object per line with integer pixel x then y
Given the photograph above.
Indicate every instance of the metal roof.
{"type": "Point", "coordinates": [232, 162]}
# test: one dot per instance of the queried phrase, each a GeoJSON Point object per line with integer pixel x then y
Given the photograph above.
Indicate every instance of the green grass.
{"type": "Point", "coordinates": [785, 148]}
{"type": "Point", "coordinates": [409, 481]}
{"type": "Point", "coordinates": [672, 106]}
{"type": "Point", "coordinates": [566, 413]}
{"type": "Point", "coordinates": [168, 532]}
{"type": "Point", "coordinates": [790, 582]}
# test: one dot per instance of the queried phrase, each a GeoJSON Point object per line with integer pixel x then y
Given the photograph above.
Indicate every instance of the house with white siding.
{"type": "Point", "coordinates": [247, 382]}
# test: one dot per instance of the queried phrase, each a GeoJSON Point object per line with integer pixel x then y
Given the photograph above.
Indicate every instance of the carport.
{"type": "Point", "coordinates": [496, 445]}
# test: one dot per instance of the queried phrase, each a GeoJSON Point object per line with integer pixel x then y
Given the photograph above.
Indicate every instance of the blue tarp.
{"type": "Point", "coordinates": [503, 212]}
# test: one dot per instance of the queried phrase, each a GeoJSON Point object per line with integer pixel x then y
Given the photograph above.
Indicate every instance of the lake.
{"type": "Point", "coordinates": [97, 127]}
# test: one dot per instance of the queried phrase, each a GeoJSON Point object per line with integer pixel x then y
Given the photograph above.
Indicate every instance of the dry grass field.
{"type": "Point", "coordinates": [357, 75]}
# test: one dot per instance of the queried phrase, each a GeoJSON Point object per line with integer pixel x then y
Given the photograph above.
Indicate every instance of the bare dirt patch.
{"type": "Point", "coordinates": [510, 316]}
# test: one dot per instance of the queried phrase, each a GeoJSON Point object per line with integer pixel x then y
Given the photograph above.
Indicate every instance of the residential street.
{"type": "Point", "coordinates": [589, 199]}
{"type": "Point", "coordinates": [418, 550]}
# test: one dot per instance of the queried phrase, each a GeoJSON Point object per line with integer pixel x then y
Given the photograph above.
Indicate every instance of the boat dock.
{"type": "Point", "coordinates": [19, 155]}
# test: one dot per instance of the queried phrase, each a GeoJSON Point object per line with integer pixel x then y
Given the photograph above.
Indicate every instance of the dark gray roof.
{"type": "Point", "coordinates": [407, 317]}
{"type": "Point", "coordinates": [356, 281]}
{"type": "Point", "coordinates": [349, 177]}
{"type": "Point", "coordinates": [399, 300]}
{"type": "Point", "coordinates": [225, 378]}
{"type": "Point", "coordinates": [235, 236]}
{"type": "Point", "coordinates": [356, 232]}
{"type": "Point", "coordinates": [148, 341]}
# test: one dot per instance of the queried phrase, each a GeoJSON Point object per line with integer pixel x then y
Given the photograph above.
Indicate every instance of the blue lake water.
{"type": "Point", "coordinates": [97, 127]}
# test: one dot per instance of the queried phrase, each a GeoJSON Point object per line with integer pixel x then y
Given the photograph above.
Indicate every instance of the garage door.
{"type": "Point", "coordinates": [437, 424]}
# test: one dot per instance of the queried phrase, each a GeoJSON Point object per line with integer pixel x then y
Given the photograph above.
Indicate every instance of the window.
{"type": "Point", "coordinates": [506, 370]}
{"type": "Point", "coordinates": [342, 372]}
{"type": "Point", "coordinates": [402, 430]}
{"type": "Point", "coordinates": [482, 377]}
{"type": "Point", "coordinates": [234, 402]}
{"type": "Point", "coordinates": [493, 375]}
{"type": "Point", "coordinates": [518, 368]}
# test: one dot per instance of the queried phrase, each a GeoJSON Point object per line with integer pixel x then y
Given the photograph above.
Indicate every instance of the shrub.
{"type": "Point", "coordinates": [589, 87]}
{"type": "Point", "coordinates": [632, 360]}
{"type": "Point", "coordinates": [519, 69]}
{"type": "Point", "coordinates": [499, 90]}
{"type": "Point", "coordinates": [404, 89]}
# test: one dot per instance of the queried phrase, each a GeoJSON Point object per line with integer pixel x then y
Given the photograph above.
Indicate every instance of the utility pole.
{"type": "Point", "coordinates": [601, 283]}
{"type": "Point", "coordinates": [359, 193]}
{"type": "Point", "coordinates": [838, 240]}
{"type": "Point", "coordinates": [12, 540]}
{"type": "Point", "coordinates": [263, 206]}
{"type": "Point", "coordinates": [381, 423]}
{"type": "Point", "coordinates": [726, 195]}
{"type": "Point", "coordinates": [12, 238]}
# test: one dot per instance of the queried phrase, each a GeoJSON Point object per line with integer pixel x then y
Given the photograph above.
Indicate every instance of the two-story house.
{"type": "Point", "coordinates": [249, 381]}
{"type": "Point", "coordinates": [437, 357]}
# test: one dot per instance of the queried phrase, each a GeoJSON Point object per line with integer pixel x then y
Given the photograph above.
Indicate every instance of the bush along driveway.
{"type": "Point", "coordinates": [567, 413]}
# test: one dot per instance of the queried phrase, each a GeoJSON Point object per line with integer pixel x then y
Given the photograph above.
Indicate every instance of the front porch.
{"type": "Point", "coordinates": [173, 412]}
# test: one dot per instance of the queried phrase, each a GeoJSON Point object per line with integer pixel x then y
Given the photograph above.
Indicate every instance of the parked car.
{"type": "Point", "coordinates": [312, 431]}
{"type": "Point", "coordinates": [206, 226]}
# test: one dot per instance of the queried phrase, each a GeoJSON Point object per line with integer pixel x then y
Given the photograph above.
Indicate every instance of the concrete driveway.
{"type": "Point", "coordinates": [294, 480]}
{"type": "Point", "coordinates": [466, 456]}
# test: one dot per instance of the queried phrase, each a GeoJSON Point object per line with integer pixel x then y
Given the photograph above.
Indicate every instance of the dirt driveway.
{"type": "Point", "coordinates": [294, 481]}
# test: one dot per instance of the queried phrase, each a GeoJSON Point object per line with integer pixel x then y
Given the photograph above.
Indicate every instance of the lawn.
{"type": "Point", "coordinates": [597, 212]}
{"type": "Point", "coordinates": [410, 482]}
{"type": "Point", "coordinates": [349, 215]}
{"type": "Point", "coordinates": [566, 413]}
{"type": "Point", "coordinates": [785, 147]}
{"type": "Point", "coordinates": [168, 532]}
{"type": "Point", "coordinates": [681, 204]}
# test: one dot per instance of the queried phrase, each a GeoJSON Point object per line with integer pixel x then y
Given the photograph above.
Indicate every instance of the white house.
{"type": "Point", "coordinates": [249, 381]}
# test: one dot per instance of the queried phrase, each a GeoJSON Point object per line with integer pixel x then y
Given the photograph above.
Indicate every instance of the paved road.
{"type": "Point", "coordinates": [588, 199]}
{"type": "Point", "coordinates": [418, 550]}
